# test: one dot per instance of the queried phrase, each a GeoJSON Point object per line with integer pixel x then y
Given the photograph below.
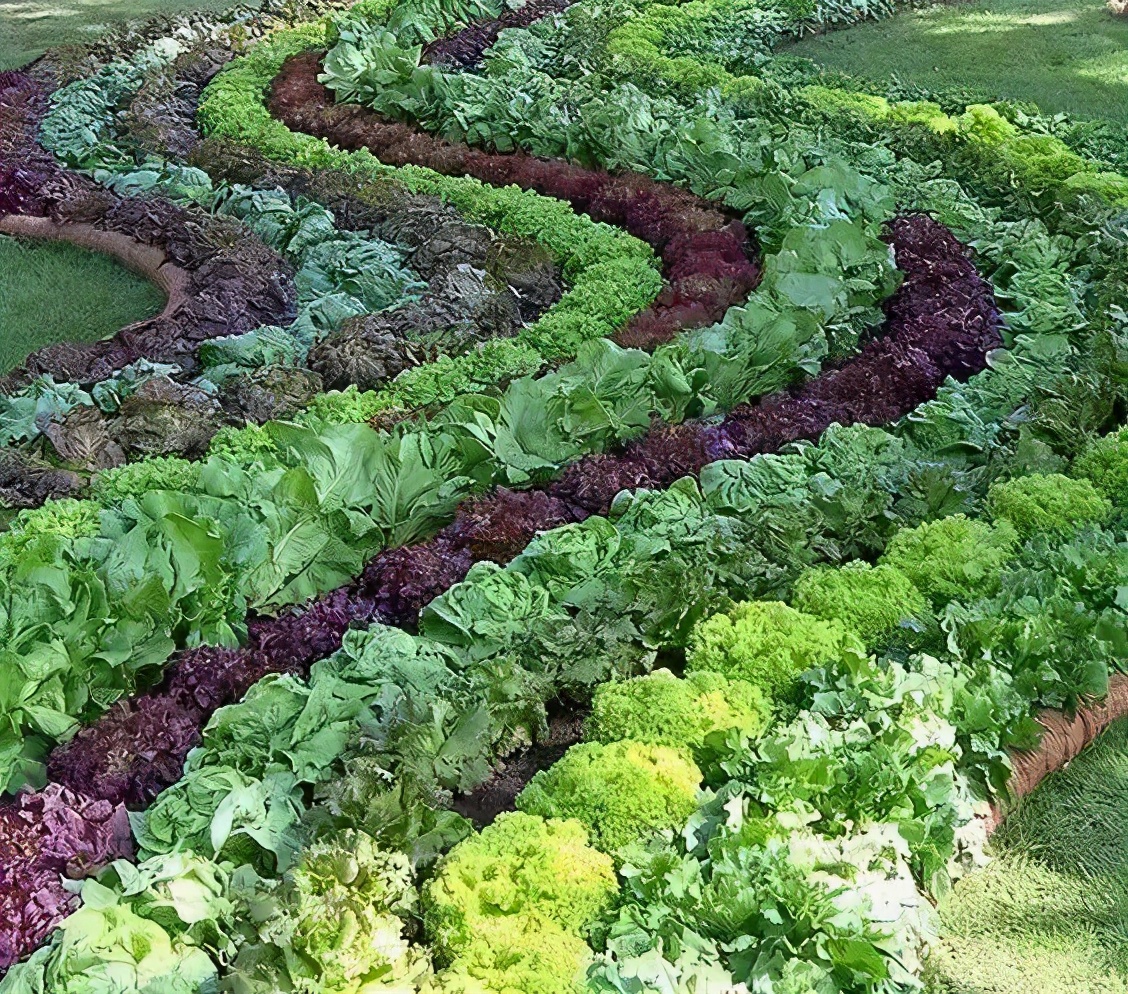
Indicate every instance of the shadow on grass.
{"type": "Point", "coordinates": [1056, 899]}
{"type": "Point", "coordinates": [1076, 822]}
{"type": "Point", "coordinates": [1059, 54]}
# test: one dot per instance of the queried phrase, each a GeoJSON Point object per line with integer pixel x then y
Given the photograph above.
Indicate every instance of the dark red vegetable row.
{"type": "Point", "coordinates": [24, 165]}
{"type": "Point", "coordinates": [707, 258]}
{"type": "Point", "coordinates": [941, 322]}
{"type": "Point", "coordinates": [45, 836]}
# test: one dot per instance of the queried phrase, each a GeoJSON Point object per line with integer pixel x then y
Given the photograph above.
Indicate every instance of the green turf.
{"type": "Point", "coordinates": [29, 27]}
{"type": "Point", "coordinates": [1050, 914]}
{"type": "Point", "coordinates": [1063, 55]}
{"type": "Point", "coordinates": [53, 292]}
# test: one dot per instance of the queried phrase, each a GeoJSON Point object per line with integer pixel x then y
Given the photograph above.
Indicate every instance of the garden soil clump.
{"type": "Point", "coordinates": [499, 793]}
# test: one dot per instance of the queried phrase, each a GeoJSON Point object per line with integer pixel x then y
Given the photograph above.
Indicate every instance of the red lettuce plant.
{"type": "Point", "coordinates": [43, 837]}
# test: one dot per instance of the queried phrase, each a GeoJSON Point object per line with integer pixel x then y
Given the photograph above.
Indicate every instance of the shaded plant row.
{"type": "Point", "coordinates": [464, 49]}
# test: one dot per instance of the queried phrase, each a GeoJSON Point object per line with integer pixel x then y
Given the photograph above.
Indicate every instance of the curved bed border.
{"type": "Point", "coordinates": [145, 260]}
{"type": "Point", "coordinates": [1065, 738]}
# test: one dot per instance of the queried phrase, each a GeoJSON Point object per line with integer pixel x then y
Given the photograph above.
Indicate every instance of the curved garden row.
{"type": "Point", "coordinates": [943, 325]}
{"type": "Point", "coordinates": [232, 290]}
{"type": "Point", "coordinates": [444, 253]}
{"type": "Point", "coordinates": [705, 256]}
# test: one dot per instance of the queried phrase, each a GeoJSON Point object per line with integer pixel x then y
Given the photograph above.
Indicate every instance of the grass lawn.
{"type": "Point", "coordinates": [53, 292]}
{"type": "Point", "coordinates": [1051, 913]}
{"type": "Point", "coordinates": [29, 27]}
{"type": "Point", "coordinates": [1064, 55]}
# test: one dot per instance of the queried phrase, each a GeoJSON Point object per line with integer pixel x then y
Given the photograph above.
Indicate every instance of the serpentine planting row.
{"type": "Point", "coordinates": [330, 787]}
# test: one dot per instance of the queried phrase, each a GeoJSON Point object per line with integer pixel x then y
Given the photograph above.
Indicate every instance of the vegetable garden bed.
{"type": "Point", "coordinates": [597, 520]}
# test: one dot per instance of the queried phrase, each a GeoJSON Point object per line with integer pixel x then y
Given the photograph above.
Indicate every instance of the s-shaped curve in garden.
{"type": "Point", "coordinates": [752, 429]}
{"type": "Point", "coordinates": [1065, 735]}
{"type": "Point", "coordinates": [109, 757]}
{"type": "Point", "coordinates": [707, 258]}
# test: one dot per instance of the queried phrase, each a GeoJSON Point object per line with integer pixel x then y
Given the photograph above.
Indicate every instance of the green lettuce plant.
{"type": "Point", "coordinates": [1047, 503]}
{"type": "Point", "coordinates": [953, 558]}
{"type": "Point", "coordinates": [662, 709]}
{"type": "Point", "coordinates": [520, 866]}
{"type": "Point", "coordinates": [337, 923]}
{"type": "Point", "coordinates": [871, 601]}
{"type": "Point", "coordinates": [621, 791]}
{"type": "Point", "coordinates": [508, 908]}
{"type": "Point", "coordinates": [1104, 463]}
{"type": "Point", "coordinates": [766, 643]}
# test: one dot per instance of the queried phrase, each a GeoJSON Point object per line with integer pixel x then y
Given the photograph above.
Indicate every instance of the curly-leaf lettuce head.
{"type": "Point", "coordinates": [662, 709]}
{"type": "Point", "coordinates": [521, 865]}
{"type": "Point", "coordinates": [621, 791]}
